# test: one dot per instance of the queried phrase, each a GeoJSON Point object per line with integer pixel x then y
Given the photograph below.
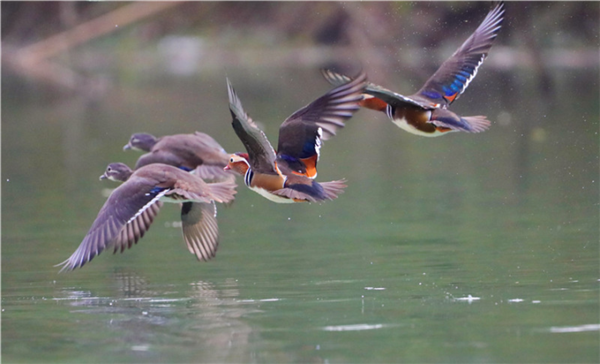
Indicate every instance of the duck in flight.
{"type": "Point", "coordinates": [197, 151]}
{"type": "Point", "coordinates": [426, 112]}
{"type": "Point", "coordinates": [130, 209]}
{"type": "Point", "coordinates": [288, 174]}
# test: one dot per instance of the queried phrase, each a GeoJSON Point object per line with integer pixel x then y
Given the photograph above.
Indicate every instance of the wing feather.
{"type": "Point", "coordinates": [124, 209]}
{"type": "Point", "coordinates": [260, 151]}
{"type": "Point", "coordinates": [456, 73]}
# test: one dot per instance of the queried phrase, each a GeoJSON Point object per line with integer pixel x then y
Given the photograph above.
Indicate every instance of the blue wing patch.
{"type": "Point", "coordinates": [288, 158]}
{"type": "Point", "coordinates": [156, 190]}
{"type": "Point", "coordinates": [431, 94]}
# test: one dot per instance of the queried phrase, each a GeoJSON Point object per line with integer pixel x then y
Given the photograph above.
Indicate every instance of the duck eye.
{"type": "Point", "coordinates": [231, 160]}
{"type": "Point", "coordinates": [108, 169]}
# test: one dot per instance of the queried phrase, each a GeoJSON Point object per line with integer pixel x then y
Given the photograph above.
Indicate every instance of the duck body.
{"type": "Point", "coordinates": [425, 113]}
{"type": "Point", "coordinates": [431, 121]}
{"type": "Point", "coordinates": [288, 175]}
{"type": "Point", "coordinates": [284, 186]}
{"type": "Point", "coordinates": [197, 152]}
{"type": "Point", "coordinates": [130, 209]}
{"type": "Point", "coordinates": [173, 184]}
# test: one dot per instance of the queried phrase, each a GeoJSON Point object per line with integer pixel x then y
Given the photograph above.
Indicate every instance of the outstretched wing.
{"type": "Point", "coordinates": [200, 229]}
{"type": "Point", "coordinates": [394, 99]}
{"type": "Point", "coordinates": [260, 151]}
{"type": "Point", "coordinates": [455, 74]}
{"type": "Point", "coordinates": [300, 135]}
{"type": "Point", "coordinates": [374, 90]}
{"type": "Point", "coordinates": [136, 227]}
{"type": "Point", "coordinates": [330, 110]}
{"type": "Point", "coordinates": [123, 219]}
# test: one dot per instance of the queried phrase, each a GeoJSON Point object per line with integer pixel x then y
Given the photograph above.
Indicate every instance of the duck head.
{"type": "Point", "coordinates": [238, 163]}
{"type": "Point", "coordinates": [118, 172]}
{"type": "Point", "coordinates": [141, 141]}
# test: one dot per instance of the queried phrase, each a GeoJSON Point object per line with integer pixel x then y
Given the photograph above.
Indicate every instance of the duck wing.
{"type": "Point", "coordinates": [300, 135]}
{"type": "Point", "coordinates": [260, 152]}
{"type": "Point", "coordinates": [124, 218]}
{"type": "Point", "coordinates": [200, 229]}
{"type": "Point", "coordinates": [455, 74]}
{"type": "Point", "coordinates": [380, 92]}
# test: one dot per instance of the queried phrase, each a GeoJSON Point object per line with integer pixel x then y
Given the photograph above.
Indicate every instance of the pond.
{"type": "Point", "coordinates": [463, 248]}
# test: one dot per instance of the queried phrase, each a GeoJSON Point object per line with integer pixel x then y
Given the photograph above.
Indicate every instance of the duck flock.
{"type": "Point", "coordinates": [194, 171]}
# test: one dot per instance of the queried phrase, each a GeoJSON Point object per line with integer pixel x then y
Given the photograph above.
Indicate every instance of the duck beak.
{"type": "Point", "coordinates": [227, 168]}
{"type": "Point", "coordinates": [103, 176]}
{"type": "Point", "coordinates": [127, 147]}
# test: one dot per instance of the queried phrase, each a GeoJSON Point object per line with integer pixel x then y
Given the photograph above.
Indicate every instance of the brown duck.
{"type": "Point", "coordinates": [130, 209]}
{"type": "Point", "coordinates": [198, 151]}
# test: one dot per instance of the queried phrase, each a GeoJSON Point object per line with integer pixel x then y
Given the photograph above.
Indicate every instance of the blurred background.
{"type": "Point", "coordinates": [462, 248]}
{"type": "Point", "coordinates": [94, 47]}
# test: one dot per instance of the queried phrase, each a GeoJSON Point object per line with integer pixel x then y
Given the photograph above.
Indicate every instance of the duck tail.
{"type": "Point", "coordinates": [332, 189]}
{"type": "Point", "coordinates": [223, 191]}
{"type": "Point", "coordinates": [477, 124]}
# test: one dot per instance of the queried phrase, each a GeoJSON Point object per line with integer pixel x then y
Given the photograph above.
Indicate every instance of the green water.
{"type": "Point", "coordinates": [463, 248]}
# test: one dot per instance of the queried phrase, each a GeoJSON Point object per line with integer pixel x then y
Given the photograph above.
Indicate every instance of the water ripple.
{"type": "Point", "coordinates": [356, 327]}
{"type": "Point", "coordinates": [580, 328]}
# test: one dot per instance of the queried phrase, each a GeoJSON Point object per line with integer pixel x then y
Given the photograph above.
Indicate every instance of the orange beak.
{"type": "Point", "coordinates": [227, 168]}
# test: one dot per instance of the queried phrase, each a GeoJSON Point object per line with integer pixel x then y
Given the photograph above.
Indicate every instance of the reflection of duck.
{"type": "Point", "coordinates": [198, 151]}
{"type": "Point", "coordinates": [426, 112]}
{"type": "Point", "coordinates": [132, 285]}
{"type": "Point", "coordinates": [287, 175]}
{"type": "Point", "coordinates": [216, 314]}
{"type": "Point", "coordinates": [131, 208]}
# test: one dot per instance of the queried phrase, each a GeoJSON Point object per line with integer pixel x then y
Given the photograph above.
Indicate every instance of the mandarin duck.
{"type": "Point", "coordinates": [288, 175]}
{"type": "Point", "coordinates": [130, 209]}
{"type": "Point", "coordinates": [198, 151]}
{"type": "Point", "coordinates": [426, 113]}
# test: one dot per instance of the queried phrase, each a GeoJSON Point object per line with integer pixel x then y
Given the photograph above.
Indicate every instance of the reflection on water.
{"type": "Point", "coordinates": [140, 313]}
